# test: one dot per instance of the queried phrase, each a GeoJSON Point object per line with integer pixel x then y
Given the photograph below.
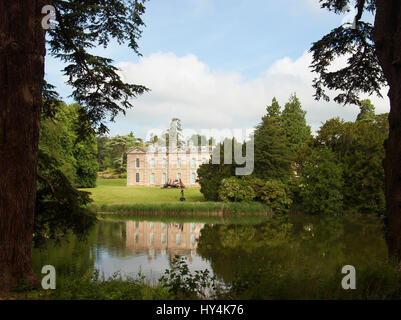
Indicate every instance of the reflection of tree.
{"type": "Point", "coordinates": [70, 257]}
{"type": "Point", "coordinates": [314, 246]}
{"type": "Point", "coordinates": [76, 257]}
{"type": "Point", "coordinates": [111, 236]}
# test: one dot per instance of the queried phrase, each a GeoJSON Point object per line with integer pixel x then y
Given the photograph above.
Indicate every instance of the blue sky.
{"type": "Point", "coordinates": [218, 63]}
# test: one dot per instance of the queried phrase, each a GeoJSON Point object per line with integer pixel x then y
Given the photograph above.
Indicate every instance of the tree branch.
{"type": "Point", "coordinates": [47, 181]}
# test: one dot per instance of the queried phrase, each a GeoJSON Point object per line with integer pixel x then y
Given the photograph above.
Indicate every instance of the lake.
{"type": "Point", "coordinates": [231, 248]}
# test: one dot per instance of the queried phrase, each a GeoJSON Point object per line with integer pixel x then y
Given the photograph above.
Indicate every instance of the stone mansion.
{"type": "Point", "coordinates": [155, 165]}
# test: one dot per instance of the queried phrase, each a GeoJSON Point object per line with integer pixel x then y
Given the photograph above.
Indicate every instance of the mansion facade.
{"type": "Point", "coordinates": [155, 165]}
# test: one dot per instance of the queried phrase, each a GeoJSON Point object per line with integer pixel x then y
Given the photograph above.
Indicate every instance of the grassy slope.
{"type": "Point", "coordinates": [115, 191]}
{"type": "Point", "coordinates": [112, 195]}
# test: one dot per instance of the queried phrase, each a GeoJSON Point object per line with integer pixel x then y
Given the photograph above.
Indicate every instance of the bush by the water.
{"type": "Point", "coordinates": [234, 189]}
{"type": "Point", "coordinates": [272, 193]}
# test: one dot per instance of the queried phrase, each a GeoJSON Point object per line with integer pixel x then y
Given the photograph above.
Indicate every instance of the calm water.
{"type": "Point", "coordinates": [227, 247]}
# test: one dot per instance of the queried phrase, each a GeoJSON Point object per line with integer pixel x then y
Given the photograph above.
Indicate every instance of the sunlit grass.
{"type": "Point", "coordinates": [115, 191]}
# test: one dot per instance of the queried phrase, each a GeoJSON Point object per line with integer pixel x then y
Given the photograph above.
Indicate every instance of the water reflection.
{"type": "Point", "coordinates": [159, 238]}
{"type": "Point", "coordinates": [266, 249]}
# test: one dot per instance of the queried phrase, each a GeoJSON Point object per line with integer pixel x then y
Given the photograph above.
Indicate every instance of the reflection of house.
{"type": "Point", "coordinates": [162, 238]}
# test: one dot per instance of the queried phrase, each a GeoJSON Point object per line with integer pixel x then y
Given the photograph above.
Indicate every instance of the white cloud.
{"type": "Point", "coordinates": [186, 88]}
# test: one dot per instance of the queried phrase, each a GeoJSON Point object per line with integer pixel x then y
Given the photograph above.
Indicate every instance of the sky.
{"type": "Point", "coordinates": [217, 64]}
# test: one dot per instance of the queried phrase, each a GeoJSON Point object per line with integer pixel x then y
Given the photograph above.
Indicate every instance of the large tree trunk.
{"type": "Point", "coordinates": [388, 46]}
{"type": "Point", "coordinates": [22, 50]}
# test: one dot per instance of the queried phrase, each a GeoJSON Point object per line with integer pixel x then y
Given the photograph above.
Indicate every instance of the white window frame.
{"type": "Point", "coordinates": [193, 178]}
{"type": "Point", "coordinates": [152, 178]}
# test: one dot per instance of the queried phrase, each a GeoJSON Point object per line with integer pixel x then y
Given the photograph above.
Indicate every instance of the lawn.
{"type": "Point", "coordinates": [115, 191]}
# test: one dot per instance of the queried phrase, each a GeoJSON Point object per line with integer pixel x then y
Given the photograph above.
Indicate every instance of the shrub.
{"type": "Point", "coordinates": [274, 194]}
{"type": "Point", "coordinates": [210, 177]}
{"type": "Point", "coordinates": [235, 189]}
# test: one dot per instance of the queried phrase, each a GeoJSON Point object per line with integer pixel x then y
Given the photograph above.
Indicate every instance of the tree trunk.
{"type": "Point", "coordinates": [388, 49]}
{"type": "Point", "coordinates": [22, 50]}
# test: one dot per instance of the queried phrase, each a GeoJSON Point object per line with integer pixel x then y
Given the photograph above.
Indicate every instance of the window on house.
{"type": "Point", "coordinates": [152, 163]}
{"type": "Point", "coordinates": [193, 180]}
{"type": "Point", "coordinates": [152, 238]}
{"type": "Point", "coordinates": [137, 177]}
{"type": "Point", "coordinates": [178, 163]}
{"type": "Point", "coordinates": [163, 238]}
{"type": "Point", "coordinates": [178, 176]}
{"type": "Point", "coordinates": [204, 160]}
{"type": "Point", "coordinates": [178, 239]}
{"type": "Point", "coordinates": [164, 178]}
{"type": "Point", "coordinates": [152, 178]}
{"type": "Point", "coordinates": [164, 162]}
{"type": "Point", "coordinates": [193, 162]}
{"type": "Point", "coordinates": [137, 162]}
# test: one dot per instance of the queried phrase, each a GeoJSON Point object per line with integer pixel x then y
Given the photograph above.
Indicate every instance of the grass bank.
{"type": "Point", "coordinates": [185, 208]}
{"type": "Point", "coordinates": [167, 218]}
{"type": "Point", "coordinates": [113, 196]}
{"type": "Point", "coordinates": [115, 191]}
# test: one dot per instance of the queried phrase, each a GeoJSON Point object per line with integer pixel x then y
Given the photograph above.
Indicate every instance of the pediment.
{"type": "Point", "coordinates": [137, 150]}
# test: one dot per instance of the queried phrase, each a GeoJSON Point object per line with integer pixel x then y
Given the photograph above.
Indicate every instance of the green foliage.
{"type": "Point", "coordinates": [272, 154]}
{"type": "Point", "coordinates": [234, 189]}
{"type": "Point", "coordinates": [359, 147]}
{"type": "Point", "coordinates": [321, 183]}
{"type": "Point", "coordinates": [59, 138]}
{"type": "Point", "coordinates": [112, 152]}
{"type": "Point", "coordinates": [294, 123]}
{"type": "Point", "coordinates": [210, 175]}
{"type": "Point", "coordinates": [275, 195]}
{"type": "Point", "coordinates": [59, 206]}
{"type": "Point", "coordinates": [87, 165]}
{"type": "Point", "coordinates": [182, 284]}
{"type": "Point", "coordinates": [64, 163]}
{"type": "Point", "coordinates": [367, 111]}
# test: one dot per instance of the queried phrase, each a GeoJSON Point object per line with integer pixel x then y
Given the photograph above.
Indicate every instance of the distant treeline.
{"type": "Point", "coordinates": [338, 170]}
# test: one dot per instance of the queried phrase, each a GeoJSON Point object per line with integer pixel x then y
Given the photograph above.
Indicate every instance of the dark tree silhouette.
{"type": "Point", "coordinates": [80, 26]}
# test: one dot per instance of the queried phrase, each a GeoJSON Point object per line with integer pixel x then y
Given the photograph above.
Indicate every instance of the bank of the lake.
{"type": "Point", "coordinates": [113, 196]}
